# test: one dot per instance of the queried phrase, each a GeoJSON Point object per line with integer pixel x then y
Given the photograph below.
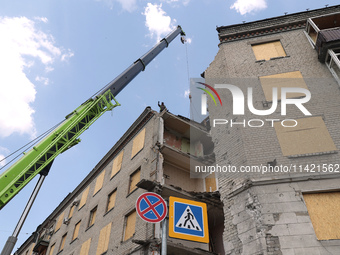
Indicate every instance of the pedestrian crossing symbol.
{"type": "Point", "coordinates": [188, 220]}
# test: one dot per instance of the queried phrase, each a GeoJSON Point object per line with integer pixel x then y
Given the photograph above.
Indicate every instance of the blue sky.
{"type": "Point", "coordinates": [56, 54]}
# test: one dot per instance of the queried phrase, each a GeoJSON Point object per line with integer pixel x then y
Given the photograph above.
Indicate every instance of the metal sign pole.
{"type": "Point", "coordinates": [164, 235]}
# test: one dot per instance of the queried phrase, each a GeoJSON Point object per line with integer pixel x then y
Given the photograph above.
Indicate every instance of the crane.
{"type": "Point", "coordinates": [40, 158]}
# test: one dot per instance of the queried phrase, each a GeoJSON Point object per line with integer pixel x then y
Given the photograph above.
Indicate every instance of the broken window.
{"type": "Point", "coordinates": [99, 182]}
{"type": "Point", "coordinates": [323, 210]}
{"type": "Point", "coordinates": [130, 222]}
{"type": "Point", "coordinates": [268, 50]}
{"type": "Point", "coordinates": [104, 238]}
{"type": "Point", "coordinates": [282, 80]}
{"type": "Point", "coordinates": [138, 143]}
{"type": "Point", "coordinates": [85, 247]}
{"type": "Point", "coordinates": [117, 164]}
{"type": "Point", "coordinates": [310, 136]}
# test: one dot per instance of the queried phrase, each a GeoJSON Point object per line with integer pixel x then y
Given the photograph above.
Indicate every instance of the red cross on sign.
{"type": "Point", "coordinates": [151, 207]}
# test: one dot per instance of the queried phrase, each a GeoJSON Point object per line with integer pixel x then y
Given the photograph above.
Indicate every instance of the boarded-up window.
{"type": "Point", "coordinates": [210, 183]}
{"type": "Point", "coordinates": [134, 179]}
{"type": "Point", "coordinates": [70, 214]}
{"type": "Point", "coordinates": [111, 200]}
{"type": "Point", "coordinates": [104, 238]}
{"type": "Point", "coordinates": [308, 137]}
{"type": "Point", "coordinates": [76, 230]}
{"type": "Point", "coordinates": [84, 197]}
{"type": "Point", "coordinates": [51, 249]}
{"type": "Point", "coordinates": [266, 51]}
{"type": "Point", "coordinates": [99, 182]}
{"type": "Point", "coordinates": [138, 143]}
{"type": "Point", "coordinates": [117, 163]}
{"type": "Point", "coordinates": [62, 243]}
{"type": "Point", "coordinates": [59, 222]}
{"type": "Point", "coordinates": [92, 218]}
{"type": "Point", "coordinates": [282, 80]}
{"type": "Point", "coordinates": [130, 223]}
{"type": "Point", "coordinates": [85, 247]}
{"type": "Point", "coordinates": [324, 212]}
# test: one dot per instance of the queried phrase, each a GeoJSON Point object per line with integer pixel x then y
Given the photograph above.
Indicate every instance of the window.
{"type": "Point", "coordinates": [76, 230]}
{"type": "Point", "coordinates": [268, 50]}
{"type": "Point", "coordinates": [111, 200]}
{"type": "Point", "coordinates": [130, 222]}
{"type": "Point", "coordinates": [287, 80]}
{"type": "Point", "coordinates": [92, 216]}
{"type": "Point", "coordinates": [59, 222]}
{"type": "Point", "coordinates": [62, 243]}
{"type": "Point", "coordinates": [99, 182]}
{"type": "Point", "coordinates": [70, 214]}
{"type": "Point", "coordinates": [134, 179]}
{"type": "Point", "coordinates": [210, 183]}
{"type": "Point", "coordinates": [138, 143]}
{"type": "Point", "coordinates": [310, 136]}
{"type": "Point", "coordinates": [85, 247]}
{"type": "Point", "coordinates": [323, 210]}
{"type": "Point", "coordinates": [104, 238]}
{"type": "Point", "coordinates": [51, 249]}
{"type": "Point", "coordinates": [117, 164]}
{"type": "Point", "coordinates": [84, 197]}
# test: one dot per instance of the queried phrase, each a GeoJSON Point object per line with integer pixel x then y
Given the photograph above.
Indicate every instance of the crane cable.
{"type": "Point", "coordinates": [34, 141]}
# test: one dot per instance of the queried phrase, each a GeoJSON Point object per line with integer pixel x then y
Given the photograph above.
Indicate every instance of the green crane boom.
{"type": "Point", "coordinates": [40, 158]}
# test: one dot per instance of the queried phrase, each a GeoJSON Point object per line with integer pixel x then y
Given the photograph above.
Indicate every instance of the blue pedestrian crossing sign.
{"type": "Point", "coordinates": [188, 220]}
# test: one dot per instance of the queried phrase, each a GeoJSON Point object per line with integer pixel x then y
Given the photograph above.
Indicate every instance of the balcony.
{"type": "Point", "coordinates": [323, 33]}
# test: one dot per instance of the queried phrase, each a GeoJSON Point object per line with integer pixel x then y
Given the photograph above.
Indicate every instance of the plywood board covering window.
{"type": "Point", "coordinates": [104, 238]}
{"type": "Point", "coordinates": [308, 137]}
{"type": "Point", "coordinates": [266, 51]}
{"type": "Point", "coordinates": [76, 230]}
{"type": "Point", "coordinates": [70, 214]}
{"type": "Point", "coordinates": [84, 197]}
{"type": "Point", "coordinates": [62, 243]}
{"type": "Point", "coordinates": [282, 80]}
{"type": "Point", "coordinates": [52, 249]}
{"type": "Point", "coordinates": [99, 182]}
{"type": "Point", "coordinates": [324, 212]}
{"type": "Point", "coordinates": [138, 143]}
{"type": "Point", "coordinates": [130, 223]}
{"type": "Point", "coordinates": [93, 214]}
{"type": "Point", "coordinates": [59, 222]}
{"type": "Point", "coordinates": [111, 200]}
{"type": "Point", "coordinates": [210, 183]}
{"type": "Point", "coordinates": [117, 163]}
{"type": "Point", "coordinates": [85, 247]}
{"type": "Point", "coordinates": [134, 179]}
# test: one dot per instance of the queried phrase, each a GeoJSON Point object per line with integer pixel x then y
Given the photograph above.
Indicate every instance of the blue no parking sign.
{"type": "Point", "coordinates": [151, 207]}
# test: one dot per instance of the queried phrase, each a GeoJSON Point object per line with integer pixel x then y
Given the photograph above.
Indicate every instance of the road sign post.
{"type": "Point", "coordinates": [188, 220]}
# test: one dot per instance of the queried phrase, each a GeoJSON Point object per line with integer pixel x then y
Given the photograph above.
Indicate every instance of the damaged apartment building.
{"type": "Point", "coordinates": [99, 216]}
{"type": "Point", "coordinates": [283, 195]}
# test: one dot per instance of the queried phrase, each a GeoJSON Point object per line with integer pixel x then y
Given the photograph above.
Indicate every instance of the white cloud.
{"type": "Point", "coordinates": [248, 6]}
{"type": "Point", "coordinates": [21, 45]}
{"type": "Point", "coordinates": [2, 156]}
{"type": "Point", "coordinates": [156, 20]}
{"type": "Point", "coordinates": [43, 80]}
{"type": "Point", "coordinates": [176, 2]}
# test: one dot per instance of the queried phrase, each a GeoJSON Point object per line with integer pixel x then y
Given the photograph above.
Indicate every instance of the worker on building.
{"type": "Point", "coordinates": [162, 107]}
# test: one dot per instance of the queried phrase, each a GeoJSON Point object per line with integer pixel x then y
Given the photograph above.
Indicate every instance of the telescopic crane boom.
{"type": "Point", "coordinates": [39, 159]}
